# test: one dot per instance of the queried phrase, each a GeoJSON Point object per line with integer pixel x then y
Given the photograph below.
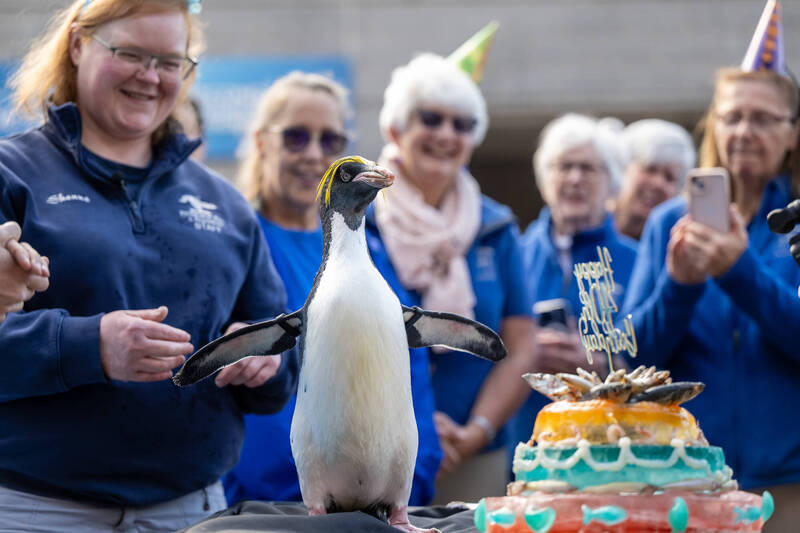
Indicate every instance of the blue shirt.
{"type": "Point", "coordinates": [191, 242]}
{"type": "Point", "coordinates": [737, 333]}
{"type": "Point", "coordinates": [495, 266]}
{"type": "Point", "coordinates": [266, 470]}
{"type": "Point", "coordinates": [548, 281]}
{"type": "Point", "coordinates": [130, 179]}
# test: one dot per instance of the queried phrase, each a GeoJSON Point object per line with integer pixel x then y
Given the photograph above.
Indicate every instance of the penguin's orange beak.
{"type": "Point", "coordinates": [377, 177]}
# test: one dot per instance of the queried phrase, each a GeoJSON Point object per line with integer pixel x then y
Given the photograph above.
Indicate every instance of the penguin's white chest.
{"type": "Point", "coordinates": [353, 429]}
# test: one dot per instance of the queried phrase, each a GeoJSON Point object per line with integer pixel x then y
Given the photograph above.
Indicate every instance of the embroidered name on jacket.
{"type": "Point", "coordinates": [200, 214]}
{"type": "Point", "coordinates": [60, 198]}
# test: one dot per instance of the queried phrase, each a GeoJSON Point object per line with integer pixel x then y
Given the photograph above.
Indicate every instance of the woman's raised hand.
{"type": "Point", "coordinates": [696, 251]}
{"type": "Point", "coordinates": [136, 346]}
{"type": "Point", "coordinates": [23, 271]}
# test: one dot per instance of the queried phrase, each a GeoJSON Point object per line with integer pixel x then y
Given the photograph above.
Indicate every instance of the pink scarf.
{"type": "Point", "coordinates": [426, 245]}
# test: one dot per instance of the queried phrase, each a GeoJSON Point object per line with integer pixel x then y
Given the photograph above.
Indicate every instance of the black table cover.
{"type": "Point", "coordinates": [274, 517]}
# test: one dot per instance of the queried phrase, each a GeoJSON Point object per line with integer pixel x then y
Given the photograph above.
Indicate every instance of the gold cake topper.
{"type": "Point", "coordinates": [596, 323]}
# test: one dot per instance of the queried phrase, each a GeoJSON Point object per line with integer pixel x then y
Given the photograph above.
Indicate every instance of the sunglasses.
{"type": "Point", "coordinates": [297, 138]}
{"type": "Point", "coordinates": [434, 119]}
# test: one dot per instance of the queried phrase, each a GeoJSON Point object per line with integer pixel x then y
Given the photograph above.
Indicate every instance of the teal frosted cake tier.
{"type": "Point", "coordinates": [588, 465]}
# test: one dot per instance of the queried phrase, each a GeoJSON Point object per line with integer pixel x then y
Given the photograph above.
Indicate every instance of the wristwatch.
{"type": "Point", "coordinates": [487, 427]}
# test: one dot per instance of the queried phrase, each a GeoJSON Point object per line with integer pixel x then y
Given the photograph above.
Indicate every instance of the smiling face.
{"type": "Point", "coordinates": [576, 189]}
{"type": "Point", "coordinates": [292, 176]}
{"type": "Point", "coordinates": [432, 156]}
{"type": "Point", "coordinates": [120, 101]}
{"type": "Point", "coordinates": [753, 129]}
{"type": "Point", "coordinates": [644, 186]}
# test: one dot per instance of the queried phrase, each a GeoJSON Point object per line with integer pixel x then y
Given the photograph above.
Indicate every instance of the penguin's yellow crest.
{"type": "Point", "coordinates": [327, 179]}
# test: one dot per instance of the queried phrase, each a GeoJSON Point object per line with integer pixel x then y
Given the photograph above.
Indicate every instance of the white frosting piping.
{"type": "Point", "coordinates": [626, 457]}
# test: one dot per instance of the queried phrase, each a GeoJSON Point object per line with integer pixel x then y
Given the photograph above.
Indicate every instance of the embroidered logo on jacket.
{"type": "Point", "coordinates": [485, 266]}
{"type": "Point", "coordinates": [60, 198]}
{"type": "Point", "coordinates": [200, 214]}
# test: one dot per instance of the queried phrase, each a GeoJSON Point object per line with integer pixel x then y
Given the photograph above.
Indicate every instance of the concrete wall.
{"type": "Point", "coordinates": [629, 58]}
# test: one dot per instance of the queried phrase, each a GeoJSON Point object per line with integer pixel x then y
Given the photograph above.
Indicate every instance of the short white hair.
{"type": "Point", "coordinates": [431, 80]}
{"type": "Point", "coordinates": [572, 131]}
{"type": "Point", "coordinates": [654, 141]}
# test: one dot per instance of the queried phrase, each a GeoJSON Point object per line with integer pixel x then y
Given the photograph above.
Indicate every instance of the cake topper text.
{"type": "Point", "coordinates": [596, 323]}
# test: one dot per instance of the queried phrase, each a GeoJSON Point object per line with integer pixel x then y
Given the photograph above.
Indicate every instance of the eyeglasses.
{"type": "Point", "coordinates": [297, 138]}
{"type": "Point", "coordinates": [195, 7]}
{"type": "Point", "coordinates": [585, 167]}
{"type": "Point", "coordinates": [760, 120]}
{"type": "Point", "coordinates": [173, 66]}
{"type": "Point", "coordinates": [434, 119]}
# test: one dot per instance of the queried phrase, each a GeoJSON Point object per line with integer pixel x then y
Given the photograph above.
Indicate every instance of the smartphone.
{"type": "Point", "coordinates": [553, 313]}
{"type": "Point", "coordinates": [709, 197]}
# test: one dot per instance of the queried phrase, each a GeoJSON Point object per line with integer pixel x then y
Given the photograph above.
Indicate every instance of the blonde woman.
{"type": "Point", "coordinates": [101, 439]}
{"type": "Point", "coordinates": [721, 307]}
{"type": "Point", "coordinates": [299, 130]}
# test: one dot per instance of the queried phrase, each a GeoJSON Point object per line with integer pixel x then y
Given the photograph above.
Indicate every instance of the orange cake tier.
{"type": "Point", "coordinates": [605, 421]}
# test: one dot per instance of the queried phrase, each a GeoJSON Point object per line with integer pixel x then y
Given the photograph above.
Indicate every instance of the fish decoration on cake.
{"type": "Point", "coordinates": [644, 384]}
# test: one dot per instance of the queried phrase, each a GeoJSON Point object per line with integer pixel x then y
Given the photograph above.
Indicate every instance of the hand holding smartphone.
{"type": "Point", "coordinates": [553, 313]}
{"type": "Point", "coordinates": [709, 197]}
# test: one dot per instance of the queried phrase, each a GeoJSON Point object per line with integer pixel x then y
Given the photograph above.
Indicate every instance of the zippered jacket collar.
{"type": "Point", "coordinates": [541, 228]}
{"type": "Point", "coordinates": [64, 128]}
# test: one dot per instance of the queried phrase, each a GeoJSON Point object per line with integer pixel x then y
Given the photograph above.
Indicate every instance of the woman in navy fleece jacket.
{"type": "Point", "coordinates": [133, 229]}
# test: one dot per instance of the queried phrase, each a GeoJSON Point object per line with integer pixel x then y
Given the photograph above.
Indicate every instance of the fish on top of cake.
{"type": "Point", "coordinates": [641, 405]}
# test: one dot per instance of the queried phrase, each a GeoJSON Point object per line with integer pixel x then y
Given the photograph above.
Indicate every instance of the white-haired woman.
{"type": "Point", "coordinates": [577, 169]}
{"type": "Point", "coordinates": [657, 155]}
{"type": "Point", "coordinates": [298, 131]}
{"type": "Point", "coordinates": [457, 251]}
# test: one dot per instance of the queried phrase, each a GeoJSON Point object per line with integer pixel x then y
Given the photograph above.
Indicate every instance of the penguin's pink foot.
{"type": "Point", "coordinates": [316, 510]}
{"type": "Point", "coordinates": [399, 518]}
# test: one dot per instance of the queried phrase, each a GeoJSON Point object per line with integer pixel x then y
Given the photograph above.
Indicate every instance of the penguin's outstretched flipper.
{"type": "Point", "coordinates": [426, 328]}
{"type": "Point", "coordinates": [265, 338]}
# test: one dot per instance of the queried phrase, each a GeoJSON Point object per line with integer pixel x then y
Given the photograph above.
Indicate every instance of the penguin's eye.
{"type": "Point", "coordinates": [346, 176]}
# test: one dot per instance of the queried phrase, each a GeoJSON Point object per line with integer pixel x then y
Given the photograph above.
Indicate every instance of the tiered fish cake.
{"type": "Point", "coordinates": [620, 455]}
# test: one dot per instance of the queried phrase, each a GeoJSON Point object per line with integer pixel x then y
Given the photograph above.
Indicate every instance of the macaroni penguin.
{"type": "Point", "coordinates": [353, 434]}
